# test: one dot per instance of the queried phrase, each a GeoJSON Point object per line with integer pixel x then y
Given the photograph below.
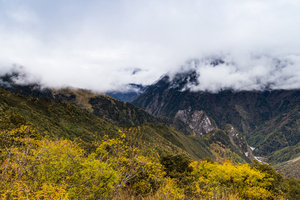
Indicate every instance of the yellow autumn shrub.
{"type": "Point", "coordinates": [209, 179]}
{"type": "Point", "coordinates": [51, 169]}
{"type": "Point", "coordinates": [141, 174]}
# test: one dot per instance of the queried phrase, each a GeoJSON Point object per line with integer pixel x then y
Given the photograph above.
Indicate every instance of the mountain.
{"type": "Point", "coordinates": [56, 119]}
{"type": "Point", "coordinates": [127, 117]}
{"type": "Point", "coordinates": [130, 93]}
{"type": "Point", "coordinates": [268, 119]}
{"type": "Point", "coordinates": [60, 119]}
{"type": "Point", "coordinates": [103, 106]}
{"type": "Point", "coordinates": [123, 113]}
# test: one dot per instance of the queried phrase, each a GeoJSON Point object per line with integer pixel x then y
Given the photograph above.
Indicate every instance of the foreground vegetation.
{"type": "Point", "coordinates": [36, 167]}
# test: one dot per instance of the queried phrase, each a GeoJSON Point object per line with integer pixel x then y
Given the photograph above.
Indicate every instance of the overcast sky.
{"type": "Point", "coordinates": [100, 44]}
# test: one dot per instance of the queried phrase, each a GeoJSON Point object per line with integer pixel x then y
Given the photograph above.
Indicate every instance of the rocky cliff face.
{"type": "Point", "coordinates": [197, 121]}
{"type": "Point", "coordinates": [239, 141]}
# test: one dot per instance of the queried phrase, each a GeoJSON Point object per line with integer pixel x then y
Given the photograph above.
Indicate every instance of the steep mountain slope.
{"type": "Point", "coordinates": [226, 146]}
{"type": "Point", "coordinates": [123, 113]}
{"type": "Point", "coordinates": [216, 145]}
{"type": "Point", "coordinates": [282, 131]}
{"type": "Point", "coordinates": [62, 120]}
{"type": "Point", "coordinates": [289, 168]}
{"type": "Point", "coordinates": [244, 109]}
{"type": "Point", "coordinates": [158, 134]}
{"type": "Point", "coordinates": [53, 116]}
{"type": "Point", "coordinates": [268, 119]}
{"type": "Point", "coordinates": [103, 106]}
{"type": "Point", "coordinates": [57, 119]}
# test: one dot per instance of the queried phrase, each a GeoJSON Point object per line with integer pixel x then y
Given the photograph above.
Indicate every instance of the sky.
{"type": "Point", "coordinates": [105, 44]}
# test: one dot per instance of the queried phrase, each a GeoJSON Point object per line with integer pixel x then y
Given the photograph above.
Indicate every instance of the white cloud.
{"type": "Point", "coordinates": [250, 73]}
{"type": "Point", "coordinates": [91, 44]}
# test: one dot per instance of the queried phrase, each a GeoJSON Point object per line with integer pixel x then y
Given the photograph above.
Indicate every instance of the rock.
{"type": "Point", "coordinates": [239, 141]}
{"type": "Point", "coordinates": [198, 121]}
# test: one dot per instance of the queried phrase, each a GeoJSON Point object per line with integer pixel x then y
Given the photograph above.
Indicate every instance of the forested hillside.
{"type": "Point", "coordinates": [37, 167]}
{"type": "Point", "coordinates": [268, 119]}
{"type": "Point", "coordinates": [54, 150]}
{"type": "Point", "coordinates": [60, 119]}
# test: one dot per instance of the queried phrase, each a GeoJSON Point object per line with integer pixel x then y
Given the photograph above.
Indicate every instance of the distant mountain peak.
{"type": "Point", "coordinates": [128, 93]}
{"type": "Point", "coordinates": [182, 81]}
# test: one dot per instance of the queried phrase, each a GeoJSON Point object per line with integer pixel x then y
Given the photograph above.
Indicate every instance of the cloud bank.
{"type": "Point", "coordinates": [99, 44]}
{"type": "Point", "coordinates": [246, 73]}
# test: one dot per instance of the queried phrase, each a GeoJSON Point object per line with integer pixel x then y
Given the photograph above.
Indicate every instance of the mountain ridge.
{"type": "Point", "coordinates": [268, 119]}
{"type": "Point", "coordinates": [123, 114]}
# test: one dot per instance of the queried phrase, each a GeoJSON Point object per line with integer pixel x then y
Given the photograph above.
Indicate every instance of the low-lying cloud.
{"type": "Point", "coordinates": [99, 44]}
{"type": "Point", "coordinates": [245, 73]}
